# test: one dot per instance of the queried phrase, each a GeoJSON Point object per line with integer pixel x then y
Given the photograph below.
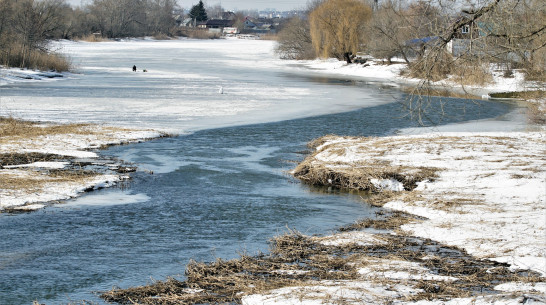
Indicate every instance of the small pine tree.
{"type": "Point", "coordinates": [198, 12]}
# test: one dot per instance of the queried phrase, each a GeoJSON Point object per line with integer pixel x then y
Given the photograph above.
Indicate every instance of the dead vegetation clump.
{"type": "Point", "coordinates": [294, 260]}
{"type": "Point", "coordinates": [95, 37]}
{"type": "Point", "coordinates": [433, 70]}
{"type": "Point", "coordinates": [27, 158]}
{"type": "Point", "coordinates": [18, 55]}
{"type": "Point", "coordinates": [297, 260]}
{"type": "Point", "coordinates": [359, 177]}
{"type": "Point", "coordinates": [471, 73]}
{"type": "Point", "coordinates": [383, 221]}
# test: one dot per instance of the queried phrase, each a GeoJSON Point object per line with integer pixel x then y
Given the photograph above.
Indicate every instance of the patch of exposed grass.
{"type": "Point", "coordinates": [29, 181]}
{"type": "Point", "coordinates": [26, 158]}
{"type": "Point", "coordinates": [11, 127]}
{"type": "Point", "coordinates": [11, 181]}
{"type": "Point", "coordinates": [12, 130]}
{"type": "Point", "coordinates": [391, 221]}
{"type": "Point", "coordinates": [92, 38]}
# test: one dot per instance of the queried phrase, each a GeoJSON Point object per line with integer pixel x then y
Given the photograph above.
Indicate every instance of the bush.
{"type": "Point", "coordinates": [17, 56]}
{"type": "Point", "coordinates": [294, 40]}
{"type": "Point", "coordinates": [92, 38]}
{"type": "Point", "coordinates": [434, 66]}
{"type": "Point", "coordinates": [198, 34]}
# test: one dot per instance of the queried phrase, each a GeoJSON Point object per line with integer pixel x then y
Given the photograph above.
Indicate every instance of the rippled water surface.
{"type": "Point", "coordinates": [214, 192]}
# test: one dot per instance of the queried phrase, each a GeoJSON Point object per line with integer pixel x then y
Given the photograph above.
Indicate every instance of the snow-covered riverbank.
{"type": "Point", "coordinates": [393, 74]}
{"type": "Point", "coordinates": [489, 199]}
{"type": "Point", "coordinates": [41, 163]}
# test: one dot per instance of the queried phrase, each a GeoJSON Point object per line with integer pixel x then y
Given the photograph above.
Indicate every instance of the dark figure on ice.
{"type": "Point", "coordinates": [134, 68]}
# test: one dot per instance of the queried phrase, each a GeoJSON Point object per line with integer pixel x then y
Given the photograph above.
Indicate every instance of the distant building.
{"type": "Point", "coordinates": [260, 25]}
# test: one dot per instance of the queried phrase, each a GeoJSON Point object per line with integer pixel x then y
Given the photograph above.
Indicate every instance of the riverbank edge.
{"type": "Point", "coordinates": [52, 165]}
{"type": "Point", "coordinates": [485, 194]}
{"type": "Point", "coordinates": [430, 185]}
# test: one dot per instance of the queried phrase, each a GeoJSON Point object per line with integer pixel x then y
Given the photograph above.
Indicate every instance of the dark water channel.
{"type": "Point", "coordinates": [213, 193]}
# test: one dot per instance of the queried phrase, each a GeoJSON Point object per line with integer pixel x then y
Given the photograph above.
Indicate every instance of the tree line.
{"type": "Point", "coordinates": [418, 32]}
{"type": "Point", "coordinates": [510, 33]}
{"type": "Point", "coordinates": [27, 25]}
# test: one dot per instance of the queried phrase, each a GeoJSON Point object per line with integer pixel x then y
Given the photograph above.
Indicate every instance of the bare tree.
{"type": "Point", "coordinates": [294, 40]}
{"type": "Point", "coordinates": [159, 16]}
{"type": "Point", "coordinates": [34, 22]}
{"type": "Point", "coordinates": [215, 11]}
{"type": "Point", "coordinates": [403, 29]}
{"type": "Point", "coordinates": [119, 18]}
{"type": "Point", "coordinates": [500, 32]}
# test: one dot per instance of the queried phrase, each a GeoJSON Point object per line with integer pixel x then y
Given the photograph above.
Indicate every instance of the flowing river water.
{"type": "Point", "coordinates": [219, 188]}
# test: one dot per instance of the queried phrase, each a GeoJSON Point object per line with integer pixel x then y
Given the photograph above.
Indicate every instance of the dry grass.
{"type": "Point", "coordinates": [12, 128]}
{"type": "Point", "coordinates": [92, 38]}
{"type": "Point", "coordinates": [297, 260]}
{"type": "Point", "coordinates": [359, 177]}
{"type": "Point", "coordinates": [16, 56]}
{"type": "Point", "coordinates": [161, 36]}
{"type": "Point", "coordinates": [26, 158]}
{"type": "Point", "coordinates": [198, 34]}
{"type": "Point", "coordinates": [18, 138]}
{"type": "Point", "coordinates": [384, 221]}
{"type": "Point", "coordinates": [14, 181]}
{"type": "Point", "coordinates": [471, 73]}
{"type": "Point", "coordinates": [30, 182]}
{"type": "Point", "coordinates": [437, 66]}
{"type": "Point", "coordinates": [274, 37]}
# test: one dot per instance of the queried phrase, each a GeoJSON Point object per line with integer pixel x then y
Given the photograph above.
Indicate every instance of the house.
{"type": "Point", "coordinates": [219, 23]}
{"type": "Point", "coordinates": [469, 39]}
{"type": "Point", "coordinates": [216, 25]}
{"type": "Point", "coordinates": [418, 46]}
{"type": "Point", "coordinates": [259, 26]}
{"type": "Point", "coordinates": [187, 22]}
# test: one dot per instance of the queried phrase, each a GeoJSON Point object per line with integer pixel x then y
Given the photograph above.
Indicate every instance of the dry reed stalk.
{"type": "Point", "coordinates": [297, 260]}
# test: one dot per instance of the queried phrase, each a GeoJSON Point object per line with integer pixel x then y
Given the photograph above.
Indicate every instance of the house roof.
{"type": "Point", "coordinates": [219, 22]}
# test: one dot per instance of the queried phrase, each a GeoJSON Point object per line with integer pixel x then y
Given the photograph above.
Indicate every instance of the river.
{"type": "Point", "coordinates": [219, 188]}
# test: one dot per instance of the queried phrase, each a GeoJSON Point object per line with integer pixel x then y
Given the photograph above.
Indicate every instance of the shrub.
{"type": "Point", "coordinates": [17, 56]}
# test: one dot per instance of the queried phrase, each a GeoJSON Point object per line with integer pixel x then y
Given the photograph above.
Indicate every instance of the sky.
{"type": "Point", "coordinates": [281, 5]}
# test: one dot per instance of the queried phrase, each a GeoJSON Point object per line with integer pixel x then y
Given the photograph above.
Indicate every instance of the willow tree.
{"type": "Point", "coordinates": [337, 27]}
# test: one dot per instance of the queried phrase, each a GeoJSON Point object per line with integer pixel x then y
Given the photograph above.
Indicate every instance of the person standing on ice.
{"type": "Point", "coordinates": [134, 68]}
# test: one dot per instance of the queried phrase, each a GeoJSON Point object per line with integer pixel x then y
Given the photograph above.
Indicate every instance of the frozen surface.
{"type": "Point", "coordinates": [181, 91]}
{"type": "Point", "coordinates": [114, 197]}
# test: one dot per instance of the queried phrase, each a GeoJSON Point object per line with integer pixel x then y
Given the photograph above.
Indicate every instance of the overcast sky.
{"type": "Point", "coordinates": [281, 5]}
